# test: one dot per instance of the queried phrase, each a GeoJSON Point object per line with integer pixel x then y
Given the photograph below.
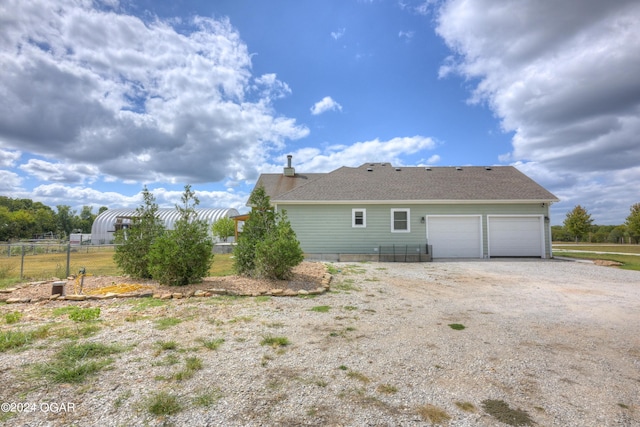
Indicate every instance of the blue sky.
{"type": "Point", "coordinates": [98, 98]}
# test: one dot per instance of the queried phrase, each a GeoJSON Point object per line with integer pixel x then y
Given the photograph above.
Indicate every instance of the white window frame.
{"type": "Point", "coordinates": [353, 218]}
{"type": "Point", "coordinates": [393, 223]}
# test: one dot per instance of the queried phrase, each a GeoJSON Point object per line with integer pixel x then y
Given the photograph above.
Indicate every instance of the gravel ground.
{"type": "Point", "coordinates": [557, 340]}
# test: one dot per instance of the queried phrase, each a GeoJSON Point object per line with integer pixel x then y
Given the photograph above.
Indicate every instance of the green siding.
{"type": "Point", "coordinates": [326, 229]}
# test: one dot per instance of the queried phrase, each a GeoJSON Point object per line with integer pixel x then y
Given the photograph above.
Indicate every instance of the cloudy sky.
{"type": "Point", "coordinates": [98, 98]}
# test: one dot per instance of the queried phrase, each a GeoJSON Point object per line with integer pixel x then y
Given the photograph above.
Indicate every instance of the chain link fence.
{"type": "Point", "coordinates": [47, 260]}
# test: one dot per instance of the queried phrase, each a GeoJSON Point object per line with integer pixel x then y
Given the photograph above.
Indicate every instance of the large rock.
{"type": "Point", "coordinates": [17, 300]}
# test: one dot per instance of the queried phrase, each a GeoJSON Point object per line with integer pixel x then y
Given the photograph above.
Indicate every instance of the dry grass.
{"type": "Point", "coordinates": [98, 261]}
{"type": "Point", "coordinates": [433, 414]}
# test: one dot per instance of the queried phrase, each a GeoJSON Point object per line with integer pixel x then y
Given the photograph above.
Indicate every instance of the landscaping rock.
{"type": "Point", "coordinates": [75, 297]}
{"type": "Point", "coordinates": [17, 300]}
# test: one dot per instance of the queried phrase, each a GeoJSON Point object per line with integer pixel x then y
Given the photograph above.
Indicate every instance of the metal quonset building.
{"type": "Point", "coordinates": [106, 224]}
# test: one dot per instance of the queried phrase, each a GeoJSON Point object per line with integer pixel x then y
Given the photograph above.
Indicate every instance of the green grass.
{"type": "Point", "coordinates": [10, 340]}
{"type": "Point", "coordinates": [192, 365]}
{"type": "Point", "coordinates": [84, 314]}
{"type": "Point", "coordinates": [207, 398]}
{"type": "Point", "coordinates": [167, 345]}
{"type": "Point", "coordinates": [212, 344]}
{"type": "Point", "coordinates": [630, 249]}
{"type": "Point", "coordinates": [320, 308]}
{"type": "Point", "coordinates": [77, 352]}
{"type": "Point", "coordinates": [629, 262]}
{"type": "Point", "coordinates": [274, 341]}
{"type": "Point", "coordinates": [75, 362]}
{"type": "Point", "coordinates": [13, 317]}
{"type": "Point", "coordinates": [163, 403]}
{"type": "Point", "coordinates": [457, 326]}
{"type": "Point", "coordinates": [61, 311]}
{"type": "Point", "coordinates": [344, 285]}
{"type": "Point", "coordinates": [167, 322]}
{"type": "Point", "coordinates": [98, 261]}
{"type": "Point", "coordinates": [145, 303]}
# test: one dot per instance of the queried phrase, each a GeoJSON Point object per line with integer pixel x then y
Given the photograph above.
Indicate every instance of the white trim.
{"type": "Point", "coordinates": [543, 251]}
{"type": "Point", "coordinates": [477, 216]}
{"type": "Point", "coordinates": [393, 223]}
{"type": "Point", "coordinates": [415, 202]}
{"type": "Point", "coordinates": [353, 218]}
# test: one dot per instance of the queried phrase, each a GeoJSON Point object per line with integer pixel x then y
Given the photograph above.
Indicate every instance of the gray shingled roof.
{"type": "Point", "coordinates": [384, 182]}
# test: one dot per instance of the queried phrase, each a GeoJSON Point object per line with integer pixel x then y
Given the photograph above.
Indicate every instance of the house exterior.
{"type": "Point", "coordinates": [368, 212]}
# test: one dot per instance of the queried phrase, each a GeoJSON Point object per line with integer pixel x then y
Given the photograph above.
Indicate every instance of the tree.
{"type": "Point", "coordinates": [268, 246]}
{"type": "Point", "coordinates": [633, 221]}
{"type": "Point", "coordinates": [134, 243]}
{"type": "Point", "coordinates": [183, 255]}
{"type": "Point", "coordinates": [279, 252]}
{"type": "Point", "coordinates": [85, 220]}
{"type": "Point", "coordinates": [578, 222]}
{"type": "Point", "coordinates": [64, 219]}
{"type": "Point", "coordinates": [224, 228]}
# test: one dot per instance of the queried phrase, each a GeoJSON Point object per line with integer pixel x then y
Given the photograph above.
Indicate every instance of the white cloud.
{"type": "Point", "coordinates": [8, 158]}
{"type": "Point", "coordinates": [324, 105]}
{"type": "Point", "coordinates": [391, 151]}
{"type": "Point", "coordinates": [58, 172]}
{"type": "Point", "coordinates": [433, 160]}
{"type": "Point", "coordinates": [338, 34]}
{"type": "Point", "coordinates": [9, 181]}
{"type": "Point", "coordinates": [139, 100]}
{"type": "Point", "coordinates": [78, 196]}
{"type": "Point", "coordinates": [406, 35]}
{"type": "Point", "coordinates": [561, 77]}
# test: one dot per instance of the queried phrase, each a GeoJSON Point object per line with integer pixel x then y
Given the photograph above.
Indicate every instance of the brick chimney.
{"type": "Point", "coordinates": [289, 170]}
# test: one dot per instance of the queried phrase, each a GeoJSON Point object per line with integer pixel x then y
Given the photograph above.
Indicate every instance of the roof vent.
{"type": "Point", "coordinates": [427, 169]}
{"type": "Point", "coordinates": [458, 168]}
{"type": "Point", "coordinates": [398, 169]}
{"type": "Point", "coordinates": [488, 168]}
{"type": "Point", "coordinates": [383, 164]}
{"type": "Point", "coordinates": [369, 170]}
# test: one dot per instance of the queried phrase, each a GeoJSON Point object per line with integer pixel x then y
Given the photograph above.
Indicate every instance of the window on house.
{"type": "Point", "coordinates": [400, 220]}
{"type": "Point", "coordinates": [359, 218]}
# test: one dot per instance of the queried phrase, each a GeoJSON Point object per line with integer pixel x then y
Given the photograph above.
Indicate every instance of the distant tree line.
{"type": "Point", "coordinates": [26, 219]}
{"type": "Point", "coordinates": [578, 227]}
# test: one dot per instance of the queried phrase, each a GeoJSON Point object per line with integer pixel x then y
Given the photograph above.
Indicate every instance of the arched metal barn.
{"type": "Point", "coordinates": [106, 224]}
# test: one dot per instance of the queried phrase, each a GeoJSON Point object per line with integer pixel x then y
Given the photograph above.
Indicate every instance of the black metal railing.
{"type": "Point", "coordinates": [404, 253]}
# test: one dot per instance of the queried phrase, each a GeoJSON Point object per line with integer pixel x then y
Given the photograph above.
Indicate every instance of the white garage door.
{"type": "Point", "coordinates": [454, 236]}
{"type": "Point", "coordinates": [517, 236]}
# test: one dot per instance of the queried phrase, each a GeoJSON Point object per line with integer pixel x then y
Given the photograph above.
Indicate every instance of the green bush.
{"type": "Point", "coordinates": [183, 255]}
{"type": "Point", "coordinates": [134, 243]}
{"type": "Point", "coordinates": [279, 252]}
{"type": "Point", "coordinates": [268, 246]}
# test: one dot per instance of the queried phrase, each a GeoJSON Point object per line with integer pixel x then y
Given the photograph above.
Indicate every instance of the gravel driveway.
{"type": "Point", "coordinates": [558, 341]}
